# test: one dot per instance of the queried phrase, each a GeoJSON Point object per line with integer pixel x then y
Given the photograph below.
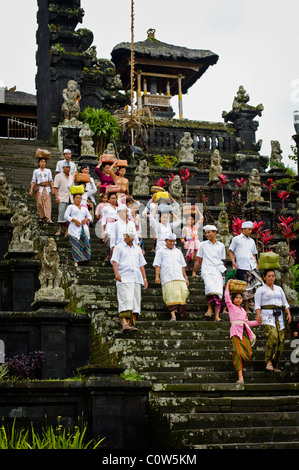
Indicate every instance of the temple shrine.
{"type": "Point", "coordinates": [162, 71]}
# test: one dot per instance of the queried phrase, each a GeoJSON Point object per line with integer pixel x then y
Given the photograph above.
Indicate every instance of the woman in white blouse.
{"type": "Point", "coordinates": [42, 182]}
{"type": "Point", "coordinates": [78, 217]}
{"type": "Point", "coordinates": [270, 304]}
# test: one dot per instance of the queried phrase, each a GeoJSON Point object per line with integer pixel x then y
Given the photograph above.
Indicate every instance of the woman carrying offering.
{"type": "Point", "coordinates": [43, 182]}
{"type": "Point", "coordinates": [240, 332]}
{"type": "Point", "coordinates": [270, 305]}
{"type": "Point", "coordinates": [78, 217]}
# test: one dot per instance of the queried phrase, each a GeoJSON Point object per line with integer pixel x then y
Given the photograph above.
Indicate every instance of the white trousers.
{"type": "Point", "coordinates": [129, 297]}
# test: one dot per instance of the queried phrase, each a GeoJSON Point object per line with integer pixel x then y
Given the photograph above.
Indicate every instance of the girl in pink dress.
{"type": "Point", "coordinates": [240, 332]}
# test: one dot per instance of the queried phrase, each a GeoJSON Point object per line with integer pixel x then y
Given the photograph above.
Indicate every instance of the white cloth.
{"type": "Point", "coordinates": [91, 189]}
{"type": "Point", "coordinates": [163, 231]}
{"type": "Point", "coordinates": [118, 230]}
{"type": "Point", "coordinates": [129, 260]}
{"type": "Point", "coordinates": [212, 255]}
{"type": "Point", "coordinates": [42, 176]}
{"type": "Point", "coordinates": [244, 249]}
{"type": "Point", "coordinates": [109, 212]}
{"type": "Point", "coordinates": [171, 263]}
{"type": "Point", "coordinates": [73, 212]}
{"type": "Point", "coordinates": [59, 166]}
{"type": "Point", "coordinates": [129, 297]}
{"type": "Point", "coordinates": [266, 296]}
{"type": "Point", "coordinates": [212, 267]}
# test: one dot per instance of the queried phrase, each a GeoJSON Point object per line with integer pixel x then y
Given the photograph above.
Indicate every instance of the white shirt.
{"type": "Point", "coordinates": [212, 255]}
{"type": "Point", "coordinates": [129, 260]}
{"type": "Point", "coordinates": [266, 296]}
{"type": "Point", "coordinates": [73, 212]}
{"type": "Point", "coordinates": [59, 166]}
{"type": "Point", "coordinates": [117, 232]}
{"type": "Point", "coordinates": [163, 231]}
{"type": "Point", "coordinates": [109, 212]}
{"type": "Point", "coordinates": [61, 183]}
{"type": "Point", "coordinates": [244, 248]}
{"type": "Point", "coordinates": [171, 263]}
{"type": "Point", "coordinates": [91, 189]}
{"type": "Point", "coordinates": [42, 176]}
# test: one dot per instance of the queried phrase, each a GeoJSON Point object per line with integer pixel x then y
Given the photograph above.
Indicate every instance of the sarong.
{"type": "Point", "coordinates": [175, 294]}
{"type": "Point", "coordinates": [43, 204]}
{"type": "Point", "coordinates": [81, 250]}
{"type": "Point", "coordinates": [129, 299]}
{"type": "Point", "coordinates": [242, 351]}
{"type": "Point", "coordinates": [215, 299]}
{"type": "Point", "coordinates": [275, 342]}
{"type": "Point", "coordinates": [253, 279]}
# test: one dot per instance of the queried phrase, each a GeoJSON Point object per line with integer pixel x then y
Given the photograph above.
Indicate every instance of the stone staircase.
{"type": "Point", "coordinates": [195, 402]}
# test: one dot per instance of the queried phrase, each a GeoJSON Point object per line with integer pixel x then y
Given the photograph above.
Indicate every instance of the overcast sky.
{"type": "Point", "coordinates": [256, 41]}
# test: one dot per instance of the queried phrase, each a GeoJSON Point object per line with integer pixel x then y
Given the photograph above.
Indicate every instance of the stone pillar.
{"type": "Point", "coordinates": [296, 139]}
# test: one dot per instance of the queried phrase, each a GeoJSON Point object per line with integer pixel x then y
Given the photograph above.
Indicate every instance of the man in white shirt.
{"type": "Point", "coordinates": [67, 154]}
{"type": "Point", "coordinates": [62, 195]}
{"type": "Point", "coordinates": [128, 266]}
{"type": "Point", "coordinates": [170, 272]}
{"type": "Point", "coordinates": [119, 227]}
{"type": "Point", "coordinates": [243, 252]}
{"type": "Point", "coordinates": [211, 254]}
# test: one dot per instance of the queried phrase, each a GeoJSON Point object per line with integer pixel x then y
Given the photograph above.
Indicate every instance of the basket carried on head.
{"type": "Point", "coordinates": [237, 287]}
{"type": "Point", "coordinates": [81, 178]}
{"type": "Point", "coordinates": [269, 260]}
{"type": "Point", "coordinates": [107, 158]}
{"type": "Point", "coordinates": [43, 153]}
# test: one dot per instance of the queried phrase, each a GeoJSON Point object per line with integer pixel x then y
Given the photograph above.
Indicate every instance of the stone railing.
{"type": "Point", "coordinates": [165, 135]}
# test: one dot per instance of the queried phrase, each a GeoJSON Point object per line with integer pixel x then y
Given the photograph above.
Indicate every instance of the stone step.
{"type": "Point", "coordinates": [191, 437]}
{"type": "Point", "coordinates": [184, 404]}
{"type": "Point", "coordinates": [292, 445]}
{"type": "Point", "coordinates": [227, 376]}
{"type": "Point", "coordinates": [232, 420]}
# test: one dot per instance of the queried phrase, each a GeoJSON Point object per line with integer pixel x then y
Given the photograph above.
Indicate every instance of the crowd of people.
{"type": "Point", "coordinates": [177, 248]}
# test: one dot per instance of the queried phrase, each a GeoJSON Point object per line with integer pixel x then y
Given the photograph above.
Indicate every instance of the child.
{"type": "Point", "coordinates": [101, 205]}
{"type": "Point", "coordinates": [191, 242]}
{"type": "Point", "coordinates": [240, 332]}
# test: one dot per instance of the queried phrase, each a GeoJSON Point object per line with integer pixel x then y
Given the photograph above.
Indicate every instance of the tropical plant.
{"type": "Point", "coordinates": [237, 226]}
{"type": "Point", "coordinates": [283, 195]}
{"type": "Point", "coordinates": [3, 371]}
{"type": "Point", "coordinates": [222, 182]}
{"type": "Point", "coordinates": [50, 438]}
{"type": "Point", "coordinates": [270, 185]}
{"type": "Point", "coordinates": [165, 161]}
{"type": "Point", "coordinates": [25, 366]}
{"type": "Point", "coordinates": [105, 127]}
{"type": "Point", "coordinates": [286, 228]}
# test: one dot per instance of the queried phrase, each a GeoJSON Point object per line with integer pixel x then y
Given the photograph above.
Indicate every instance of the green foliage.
{"type": "Point", "coordinates": [3, 372]}
{"type": "Point", "coordinates": [286, 183]}
{"type": "Point", "coordinates": [163, 161]}
{"type": "Point", "coordinates": [131, 374]}
{"type": "Point", "coordinates": [104, 126]}
{"type": "Point", "coordinates": [295, 284]}
{"type": "Point", "coordinates": [50, 438]}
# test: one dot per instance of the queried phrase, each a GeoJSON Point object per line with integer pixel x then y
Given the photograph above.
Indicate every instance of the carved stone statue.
{"type": "Point", "coordinates": [22, 233]}
{"type": "Point", "coordinates": [241, 99]}
{"type": "Point", "coordinates": [50, 275]}
{"type": "Point", "coordinates": [141, 182]}
{"type": "Point", "coordinates": [254, 187]}
{"type": "Point", "coordinates": [110, 150]}
{"type": "Point", "coordinates": [71, 95]}
{"type": "Point", "coordinates": [223, 233]}
{"type": "Point", "coordinates": [87, 145]}
{"type": "Point", "coordinates": [284, 276]}
{"type": "Point", "coordinates": [176, 189]}
{"type": "Point", "coordinates": [186, 154]}
{"type": "Point", "coordinates": [215, 167]}
{"type": "Point", "coordinates": [3, 194]}
{"type": "Point", "coordinates": [276, 154]}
